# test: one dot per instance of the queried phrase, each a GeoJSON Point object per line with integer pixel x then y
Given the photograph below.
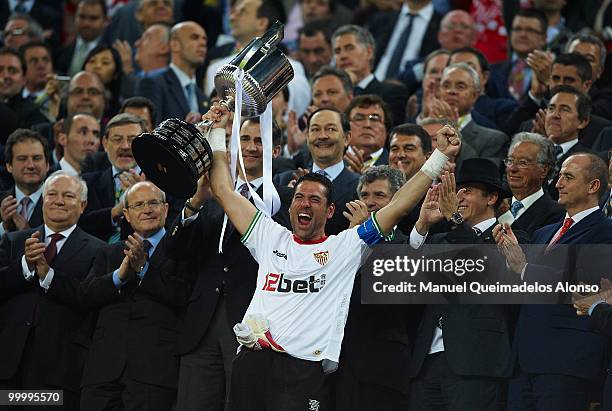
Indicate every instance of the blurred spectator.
{"type": "Point", "coordinates": [314, 46]}
{"type": "Point", "coordinates": [90, 22]}
{"type": "Point", "coordinates": [303, 12]}
{"type": "Point", "coordinates": [403, 36]}
{"type": "Point", "coordinates": [174, 91]}
{"type": "Point", "coordinates": [106, 63]}
{"type": "Point", "coordinates": [143, 108]}
{"type": "Point", "coordinates": [79, 138]}
{"type": "Point", "coordinates": [21, 29]}
{"type": "Point", "coordinates": [528, 34]}
{"type": "Point", "coordinates": [409, 148]}
{"type": "Point", "coordinates": [354, 52]}
{"type": "Point", "coordinates": [34, 10]}
{"type": "Point", "coordinates": [153, 50]}
{"type": "Point", "coordinates": [39, 68]}
{"type": "Point", "coordinates": [456, 30]}
{"type": "Point", "coordinates": [332, 88]}
{"type": "Point", "coordinates": [557, 33]}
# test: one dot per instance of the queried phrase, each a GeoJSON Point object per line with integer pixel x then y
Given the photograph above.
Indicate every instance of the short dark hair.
{"type": "Point", "coordinates": [533, 14]}
{"type": "Point", "coordinates": [583, 103]}
{"type": "Point", "coordinates": [21, 135]}
{"type": "Point", "coordinates": [482, 60]}
{"type": "Point", "coordinates": [582, 65]}
{"type": "Point", "coordinates": [321, 179]}
{"type": "Point", "coordinates": [9, 51]}
{"type": "Point", "coordinates": [368, 100]}
{"type": "Point", "coordinates": [67, 123]}
{"type": "Point", "coordinates": [140, 102]}
{"type": "Point", "coordinates": [340, 74]}
{"type": "Point", "coordinates": [34, 44]}
{"type": "Point", "coordinates": [413, 130]}
{"type": "Point", "coordinates": [272, 10]}
{"type": "Point", "coordinates": [277, 133]}
{"type": "Point", "coordinates": [100, 3]}
{"type": "Point", "coordinates": [343, 121]}
{"type": "Point", "coordinates": [317, 26]}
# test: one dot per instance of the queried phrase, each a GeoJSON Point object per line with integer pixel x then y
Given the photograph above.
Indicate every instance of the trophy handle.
{"type": "Point", "coordinates": [204, 126]}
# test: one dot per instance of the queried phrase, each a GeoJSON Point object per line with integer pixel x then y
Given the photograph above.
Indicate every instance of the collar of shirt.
{"type": "Point", "coordinates": [34, 197]}
{"type": "Point", "coordinates": [333, 171]}
{"type": "Point", "coordinates": [256, 183]}
{"type": "Point", "coordinates": [25, 93]}
{"type": "Point", "coordinates": [67, 167]}
{"type": "Point", "coordinates": [66, 233]}
{"type": "Point", "coordinates": [366, 81]}
{"type": "Point", "coordinates": [464, 121]}
{"type": "Point", "coordinates": [89, 44]}
{"type": "Point", "coordinates": [155, 239]}
{"type": "Point", "coordinates": [117, 171]}
{"type": "Point", "coordinates": [183, 78]}
{"type": "Point", "coordinates": [142, 74]}
{"type": "Point", "coordinates": [567, 146]}
{"type": "Point", "coordinates": [529, 200]}
{"type": "Point", "coordinates": [553, 31]}
{"type": "Point", "coordinates": [486, 224]}
{"type": "Point", "coordinates": [582, 214]}
{"type": "Point", "coordinates": [373, 157]}
{"type": "Point", "coordinates": [28, 4]}
{"type": "Point", "coordinates": [426, 12]}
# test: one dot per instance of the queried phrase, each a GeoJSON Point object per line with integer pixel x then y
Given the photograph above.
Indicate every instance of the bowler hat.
{"type": "Point", "coordinates": [483, 171]}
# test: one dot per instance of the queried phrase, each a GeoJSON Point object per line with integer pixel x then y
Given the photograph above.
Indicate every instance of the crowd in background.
{"type": "Point", "coordinates": [106, 294]}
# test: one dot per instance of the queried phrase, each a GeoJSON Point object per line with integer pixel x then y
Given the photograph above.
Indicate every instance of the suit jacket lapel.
{"type": "Point", "coordinates": [107, 188]}
{"type": "Point", "coordinates": [74, 243]}
{"type": "Point", "coordinates": [174, 86]}
{"type": "Point", "coordinates": [578, 229]}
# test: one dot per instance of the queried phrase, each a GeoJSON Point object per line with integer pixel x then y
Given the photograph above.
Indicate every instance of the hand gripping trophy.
{"type": "Point", "coordinates": [176, 154]}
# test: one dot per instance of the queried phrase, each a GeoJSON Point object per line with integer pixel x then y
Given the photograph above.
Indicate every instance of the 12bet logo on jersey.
{"type": "Point", "coordinates": [280, 284]}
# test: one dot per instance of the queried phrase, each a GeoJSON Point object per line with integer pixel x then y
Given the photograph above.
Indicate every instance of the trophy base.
{"type": "Point", "coordinates": [164, 166]}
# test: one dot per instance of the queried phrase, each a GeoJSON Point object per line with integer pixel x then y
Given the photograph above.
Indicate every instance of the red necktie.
{"type": "Point", "coordinates": [51, 250]}
{"type": "Point", "coordinates": [566, 226]}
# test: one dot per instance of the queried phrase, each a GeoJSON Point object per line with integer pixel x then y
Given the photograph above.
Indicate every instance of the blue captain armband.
{"type": "Point", "coordinates": [370, 232]}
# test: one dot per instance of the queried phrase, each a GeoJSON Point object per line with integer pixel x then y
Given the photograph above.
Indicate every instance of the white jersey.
{"type": "Point", "coordinates": [304, 289]}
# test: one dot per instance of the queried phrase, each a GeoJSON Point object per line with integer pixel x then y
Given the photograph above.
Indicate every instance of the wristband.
{"type": "Point", "coordinates": [434, 164]}
{"type": "Point", "coordinates": [216, 139]}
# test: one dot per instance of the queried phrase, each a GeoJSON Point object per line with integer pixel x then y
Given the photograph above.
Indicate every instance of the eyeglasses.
{"type": "Point", "coordinates": [140, 205]}
{"type": "Point", "coordinates": [15, 32]}
{"type": "Point", "coordinates": [361, 118]}
{"type": "Point", "coordinates": [521, 163]}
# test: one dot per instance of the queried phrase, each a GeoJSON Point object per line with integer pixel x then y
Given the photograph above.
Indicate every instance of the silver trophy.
{"type": "Point", "coordinates": [176, 154]}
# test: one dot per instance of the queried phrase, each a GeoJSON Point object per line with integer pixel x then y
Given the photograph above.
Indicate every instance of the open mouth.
{"type": "Point", "coordinates": [304, 219]}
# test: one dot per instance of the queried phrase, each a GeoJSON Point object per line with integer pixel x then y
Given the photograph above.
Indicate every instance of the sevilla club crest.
{"type": "Point", "coordinates": [321, 257]}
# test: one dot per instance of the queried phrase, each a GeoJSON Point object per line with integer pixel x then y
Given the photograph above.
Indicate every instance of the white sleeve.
{"type": "Point", "coordinates": [262, 234]}
{"type": "Point", "coordinates": [416, 239]}
{"type": "Point", "coordinates": [27, 274]}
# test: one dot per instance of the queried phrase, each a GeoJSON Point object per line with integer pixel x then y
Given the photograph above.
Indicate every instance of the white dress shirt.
{"type": "Point", "coordinates": [528, 201]}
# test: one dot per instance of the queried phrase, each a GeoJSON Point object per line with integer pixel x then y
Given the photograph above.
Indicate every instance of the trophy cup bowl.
{"type": "Point", "coordinates": [176, 154]}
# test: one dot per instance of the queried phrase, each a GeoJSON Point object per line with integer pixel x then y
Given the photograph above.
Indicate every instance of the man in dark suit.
{"type": "Point", "coordinates": [174, 91]}
{"type": "Point", "coordinates": [568, 113]}
{"type": "Point", "coordinates": [137, 291]}
{"type": "Point", "coordinates": [461, 351]}
{"type": "Point", "coordinates": [404, 35]}
{"type": "Point", "coordinates": [90, 20]}
{"type": "Point", "coordinates": [531, 160]}
{"type": "Point", "coordinates": [601, 321]}
{"type": "Point", "coordinates": [373, 372]}
{"type": "Point", "coordinates": [460, 88]}
{"type": "Point", "coordinates": [26, 155]}
{"type": "Point", "coordinates": [546, 375]}
{"type": "Point", "coordinates": [103, 217]}
{"type": "Point", "coordinates": [369, 122]}
{"type": "Point", "coordinates": [511, 78]}
{"type": "Point", "coordinates": [326, 147]}
{"type": "Point", "coordinates": [44, 331]}
{"type": "Point", "coordinates": [224, 285]}
{"type": "Point", "coordinates": [38, 11]}
{"type": "Point", "coordinates": [354, 52]}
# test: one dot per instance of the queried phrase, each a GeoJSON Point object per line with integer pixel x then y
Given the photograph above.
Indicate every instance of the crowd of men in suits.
{"type": "Point", "coordinates": [124, 284]}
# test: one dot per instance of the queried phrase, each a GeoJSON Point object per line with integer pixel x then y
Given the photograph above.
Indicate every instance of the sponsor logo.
{"type": "Point", "coordinates": [278, 283]}
{"type": "Point", "coordinates": [321, 257]}
{"type": "Point", "coordinates": [279, 254]}
{"type": "Point", "coordinates": [313, 405]}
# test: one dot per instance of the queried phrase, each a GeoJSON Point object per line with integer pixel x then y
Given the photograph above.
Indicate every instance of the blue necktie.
{"type": "Point", "coordinates": [515, 207]}
{"type": "Point", "coordinates": [323, 173]}
{"type": "Point", "coordinates": [394, 65]}
{"type": "Point", "coordinates": [193, 97]}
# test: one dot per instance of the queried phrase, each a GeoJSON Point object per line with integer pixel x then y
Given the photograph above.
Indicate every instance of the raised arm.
{"type": "Point", "coordinates": [411, 193]}
{"type": "Point", "coordinates": [239, 210]}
